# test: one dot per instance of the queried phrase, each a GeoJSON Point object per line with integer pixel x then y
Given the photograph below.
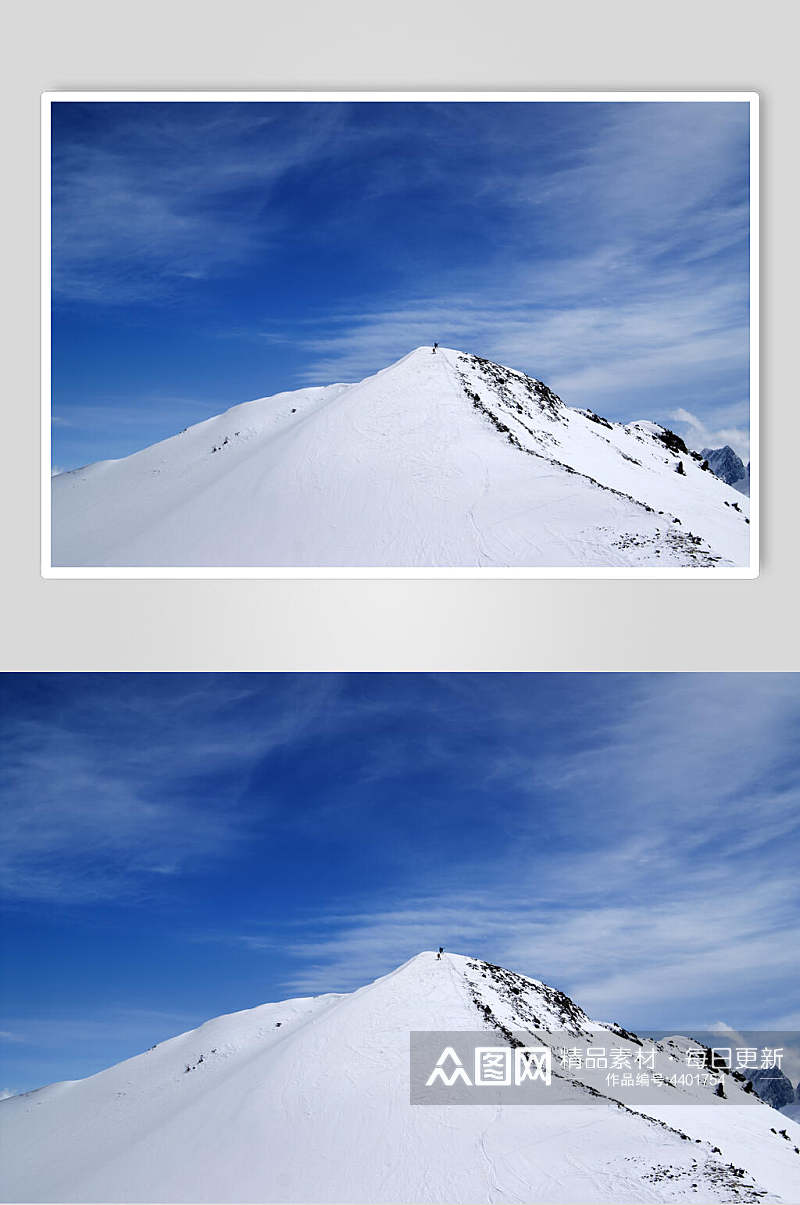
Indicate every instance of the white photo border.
{"type": "Point", "coordinates": [48, 570]}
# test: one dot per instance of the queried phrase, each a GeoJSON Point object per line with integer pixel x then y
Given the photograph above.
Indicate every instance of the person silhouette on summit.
{"type": "Point", "coordinates": [441, 951]}
{"type": "Point", "coordinates": [434, 348]}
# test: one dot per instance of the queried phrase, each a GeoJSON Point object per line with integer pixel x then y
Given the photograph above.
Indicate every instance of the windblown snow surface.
{"type": "Point", "coordinates": [444, 460]}
{"type": "Point", "coordinates": [308, 1101]}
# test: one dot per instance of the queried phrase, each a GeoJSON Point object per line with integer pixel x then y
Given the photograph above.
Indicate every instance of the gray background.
{"type": "Point", "coordinates": [403, 624]}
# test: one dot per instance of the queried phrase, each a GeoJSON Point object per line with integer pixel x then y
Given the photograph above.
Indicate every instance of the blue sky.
{"type": "Point", "coordinates": [177, 847]}
{"type": "Point", "coordinates": [206, 254]}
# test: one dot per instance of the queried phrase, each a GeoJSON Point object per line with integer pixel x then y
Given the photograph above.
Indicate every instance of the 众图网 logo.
{"type": "Point", "coordinates": [493, 1066]}
{"type": "Point", "coordinates": [458, 1067]}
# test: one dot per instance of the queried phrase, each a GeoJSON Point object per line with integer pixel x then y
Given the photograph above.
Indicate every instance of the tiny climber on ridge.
{"type": "Point", "coordinates": [434, 348]}
{"type": "Point", "coordinates": [441, 951]}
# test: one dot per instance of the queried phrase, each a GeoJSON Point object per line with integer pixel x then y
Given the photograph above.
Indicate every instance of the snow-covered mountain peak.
{"type": "Point", "coordinates": [441, 459]}
{"type": "Point", "coordinates": [308, 1100]}
{"type": "Point", "coordinates": [469, 986]}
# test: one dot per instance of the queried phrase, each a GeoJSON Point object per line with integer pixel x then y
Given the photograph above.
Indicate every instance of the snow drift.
{"type": "Point", "coordinates": [444, 460]}
{"type": "Point", "coordinates": [308, 1101]}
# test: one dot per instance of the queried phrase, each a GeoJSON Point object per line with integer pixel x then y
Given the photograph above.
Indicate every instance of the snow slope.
{"type": "Point", "coordinates": [308, 1101]}
{"type": "Point", "coordinates": [440, 460]}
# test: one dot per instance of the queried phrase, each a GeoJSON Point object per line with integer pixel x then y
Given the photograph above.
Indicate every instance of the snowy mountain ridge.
{"type": "Point", "coordinates": [307, 1100]}
{"type": "Point", "coordinates": [440, 460]}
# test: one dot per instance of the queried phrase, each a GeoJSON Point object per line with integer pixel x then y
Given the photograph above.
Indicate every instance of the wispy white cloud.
{"type": "Point", "coordinates": [158, 200]}
{"type": "Point", "coordinates": [637, 351]}
{"type": "Point", "coordinates": [635, 961]}
{"type": "Point", "coordinates": [647, 171]}
{"type": "Point", "coordinates": [126, 788]}
{"type": "Point", "coordinates": [650, 874]}
{"type": "Point", "coordinates": [640, 298]}
{"type": "Point", "coordinates": [633, 841]}
{"type": "Point", "coordinates": [117, 1023]}
{"type": "Point", "coordinates": [603, 249]}
{"type": "Point", "coordinates": [730, 425]}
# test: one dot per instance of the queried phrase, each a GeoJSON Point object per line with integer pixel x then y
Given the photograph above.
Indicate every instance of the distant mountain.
{"type": "Point", "coordinates": [442, 460]}
{"type": "Point", "coordinates": [772, 1085]}
{"type": "Point", "coordinates": [729, 467]}
{"type": "Point", "coordinates": [309, 1101]}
